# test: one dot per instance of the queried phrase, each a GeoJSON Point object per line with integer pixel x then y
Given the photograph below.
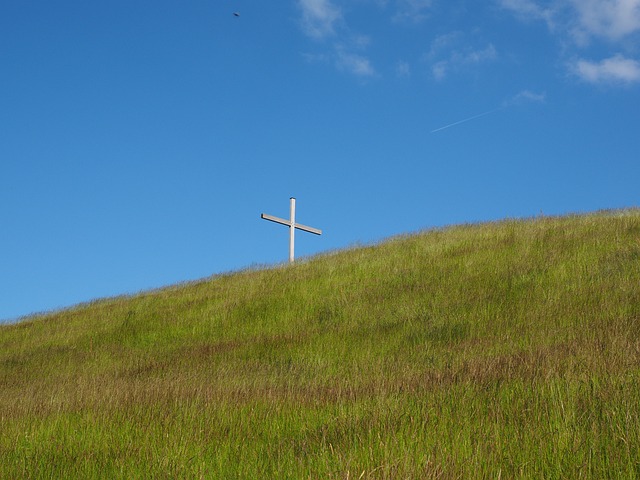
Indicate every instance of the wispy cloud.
{"type": "Point", "coordinates": [345, 59]}
{"type": "Point", "coordinates": [528, 10]}
{"type": "Point", "coordinates": [444, 43]}
{"type": "Point", "coordinates": [616, 69]}
{"type": "Point", "coordinates": [319, 17]}
{"type": "Point", "coordinates": [412, 11]}
{"type": "Point", "coordinates": [524, 97]}
{"type": "Point", "coordinates": [354, 63]}
{"type": "Point", "coordinates": [450, 53]}
{"type": "Point", "coordinates": [323, 20]}
{"type": "Point", "coordinates": [403, 69]}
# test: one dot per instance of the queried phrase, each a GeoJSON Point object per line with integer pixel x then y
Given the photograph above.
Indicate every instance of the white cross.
{"type": "Point", "coordinates": [291, 223]}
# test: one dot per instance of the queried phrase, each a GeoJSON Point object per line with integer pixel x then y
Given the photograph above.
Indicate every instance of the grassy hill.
{"type": "Point", "coordinates": [500, 350]}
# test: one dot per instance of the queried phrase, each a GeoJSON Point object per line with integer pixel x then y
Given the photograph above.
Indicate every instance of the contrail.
{"type": "Point", "coordinates": [466, 119]}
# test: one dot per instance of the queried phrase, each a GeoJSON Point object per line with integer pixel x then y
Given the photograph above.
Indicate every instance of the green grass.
{"type": "Point", "coordinates": [500, 350]}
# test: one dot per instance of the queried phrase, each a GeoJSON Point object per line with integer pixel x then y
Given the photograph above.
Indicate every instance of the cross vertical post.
{"type": "Point", "coordinates": [292, 228]}
{"type": "Point", "coordinates": [291, 223]}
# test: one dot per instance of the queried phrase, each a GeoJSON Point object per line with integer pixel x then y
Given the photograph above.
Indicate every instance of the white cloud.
{"type": "Point", "coordinates": [616, 69]}
{"type": "Point", "coordinates": [525, 97]}
{"type": "Point", "coordinates": [581, 23]}
{"type": "Point", "coordinates": [344, 57]}
{"type": "Point", "coordinates": [353, 63]}
{"type": "Point", "coordinates": [458, 58]}
{"type": "Point", "coordinates": [360, 41]}
{"type": "Point", "coordinates": [583, 19]}
{"type": "Point", "coordinates": [528, 10]}
{"type": "Point", "coordinates": [444, 43]}
{"type": "Point", "coordinates": [612, 19]}
{"type": "Point", "coordinates": [344, 48]}
{"type": "Point", "coordinates": [439, 70]}
{"type": "Point", "coordinates": [413, 11]}
{"type": "Point", "coordinates": [319, 17]}
{"type": "Point", "coordinates": [475, 56]}
{"type": "Point", "coordinates": [322, 19]}
{"type": "Point", "coordinates": [403, 69]}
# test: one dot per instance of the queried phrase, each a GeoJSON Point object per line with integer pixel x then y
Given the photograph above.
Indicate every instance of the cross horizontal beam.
{"type": "Point", "coordinates": [299, 226]}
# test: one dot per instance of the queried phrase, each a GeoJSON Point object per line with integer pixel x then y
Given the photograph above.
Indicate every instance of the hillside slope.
{"type": "Point", "coordinates": [508, 349]}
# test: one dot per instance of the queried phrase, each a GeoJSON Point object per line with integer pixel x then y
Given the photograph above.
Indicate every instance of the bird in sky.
{"type": "Point", "coordinates": [236, 14]}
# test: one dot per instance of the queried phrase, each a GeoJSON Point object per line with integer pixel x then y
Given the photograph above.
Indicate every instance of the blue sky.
{"type": "Point", "coordinates": [140, 141]}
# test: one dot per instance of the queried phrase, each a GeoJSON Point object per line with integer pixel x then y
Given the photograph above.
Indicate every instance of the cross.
{"type": "Point", "coordinates": [291, 223]}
